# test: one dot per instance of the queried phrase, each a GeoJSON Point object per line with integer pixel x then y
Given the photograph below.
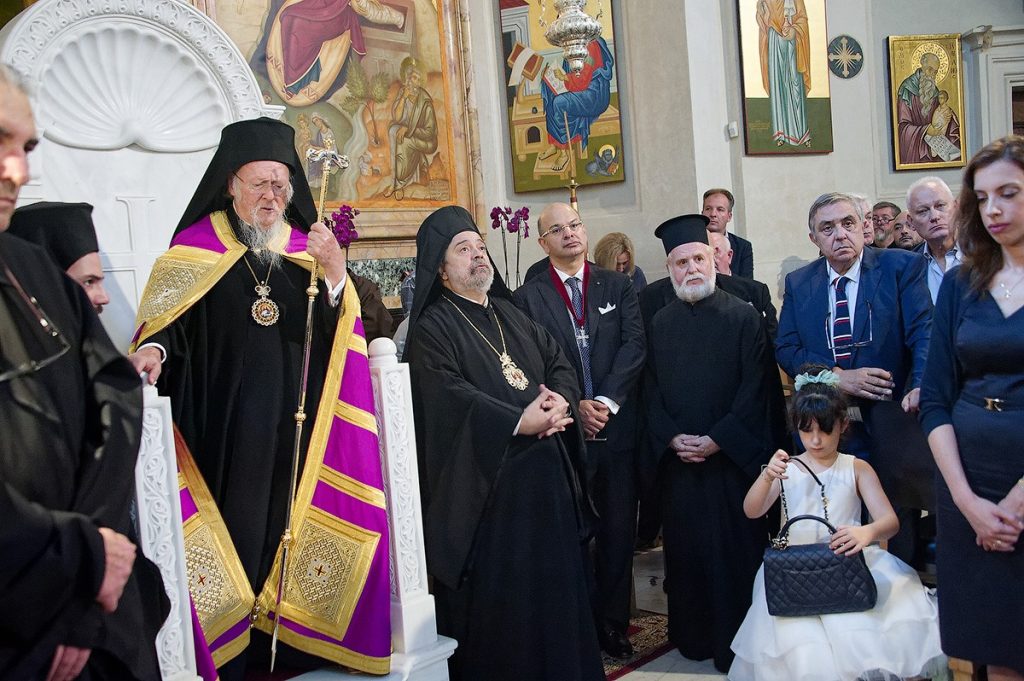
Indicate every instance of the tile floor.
{"type": "Point", "coordinates": [648, 573]}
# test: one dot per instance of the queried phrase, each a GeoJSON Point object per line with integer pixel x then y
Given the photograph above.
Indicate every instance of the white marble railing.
{"type": "Point", "coordinates": [419, 653]}
{"type": "Point", "coordinates": [159, 512]}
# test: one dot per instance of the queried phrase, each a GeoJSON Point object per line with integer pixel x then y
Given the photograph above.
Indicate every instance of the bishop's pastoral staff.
{"type": "Point", "coordinates": [225, 310]}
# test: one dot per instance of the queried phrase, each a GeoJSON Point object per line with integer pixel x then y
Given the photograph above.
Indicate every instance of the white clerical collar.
{"type": "Point", "coordinates": [579, 274]}
{"type": "Point", "coordinates": [853, 274]}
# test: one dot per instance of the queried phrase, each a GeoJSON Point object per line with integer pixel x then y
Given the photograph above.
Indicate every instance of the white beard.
{"type": "Point", "coordinates": [257, 239]}
{"type": "Point", "coordinates": [695, 292]}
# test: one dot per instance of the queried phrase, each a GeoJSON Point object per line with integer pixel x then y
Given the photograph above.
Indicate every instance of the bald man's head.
{"type": "Point", "coordinates": [723, 252]}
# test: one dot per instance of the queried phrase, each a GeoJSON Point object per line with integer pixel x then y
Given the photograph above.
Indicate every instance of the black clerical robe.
{"type": "Point", "coordinates": [504, 516]}
{"type": "Point", "coordinates": [234, 387]}
{"type": "Point", "coordinates": [71, 433]}
{"type": "Point", "coordinates": [706, 375]}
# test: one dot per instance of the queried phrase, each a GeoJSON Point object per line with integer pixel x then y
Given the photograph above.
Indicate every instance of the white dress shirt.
{"type": "Point", "coordinates": [852, 286]}
{"type": "Point", "coordinates": [607, 401]}
{"type": "Point", "coordinates": [936, 273]}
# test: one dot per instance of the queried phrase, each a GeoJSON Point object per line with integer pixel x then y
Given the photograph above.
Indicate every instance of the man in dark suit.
{"type": "Point", "coordinates": [718, 205]}
{"type": "Point", "coordinates": [865, 312]}
{"type": "Point", "coordinates": [594, 316]}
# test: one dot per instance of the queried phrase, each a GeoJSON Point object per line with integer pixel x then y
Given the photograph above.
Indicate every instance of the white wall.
{"type": "Point", "coordinates": [679, 83]}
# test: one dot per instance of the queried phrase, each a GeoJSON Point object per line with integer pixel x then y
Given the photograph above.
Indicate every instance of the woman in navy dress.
{"type": "Point", "coordinates": [972, 408]}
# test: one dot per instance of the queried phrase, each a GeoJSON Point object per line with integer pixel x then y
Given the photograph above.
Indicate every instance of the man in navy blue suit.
{"type": "Point", "coordinates": [865, 312]}
{"type": "Point", "coordinates": [594, 316]}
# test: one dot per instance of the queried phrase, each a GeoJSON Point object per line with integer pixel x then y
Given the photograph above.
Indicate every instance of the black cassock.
{"type": "Point", "coordinates": [706, 375]}
{"type": "Point", "coordinates": [70, 437]}
{"type": "Point", "coordinates": [505, 516]}
{"type": "Point", "coordinates": [234, 387]}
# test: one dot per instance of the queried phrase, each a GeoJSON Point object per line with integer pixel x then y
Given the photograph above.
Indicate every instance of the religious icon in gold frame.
{"type": "Point", "coordinates": [562, 125]}
{"type": "Point", "coordinates": [926, 84]}
{"type": "Point", "coordinates": [787, 105]}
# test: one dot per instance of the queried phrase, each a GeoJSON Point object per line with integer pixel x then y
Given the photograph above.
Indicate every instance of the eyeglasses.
{"type": "Point", "coordinates": [881, 220]}
{"type": "Point", "coordinates": [49, 330]}
{"type": "Point", "coordinates": [848, 225]}
{"type": "Point", "coordinates": [573, 227]}
{"type": "Point", "coordinates": [261, 188]}
{"type": "Point", "coordinates": [847, 346]}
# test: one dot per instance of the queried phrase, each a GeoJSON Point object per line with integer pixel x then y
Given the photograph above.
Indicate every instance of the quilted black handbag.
{"type": "Point", "coordinates": [810, 579]}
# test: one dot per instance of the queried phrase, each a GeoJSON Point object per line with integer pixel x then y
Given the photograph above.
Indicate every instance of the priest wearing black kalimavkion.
{"type": "Point", "coordinates": [707, 407]}
{"type": "Point", "coordinates": [76, 598]}
{"type": "Point", "coordinates": [66, 232]}
{"type": "Point", "coordinates": [222, 327]}
{"type": "Point", "coordinates": [506, 512]}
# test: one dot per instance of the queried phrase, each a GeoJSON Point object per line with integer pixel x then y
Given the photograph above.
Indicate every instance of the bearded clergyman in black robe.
{"type": "Point", "coordinates": [71, 424]}
{"type": "Point", "coordinates": [222, 326]}
{"type": "Point", "coordinates": [708, 420]}
{"type": "Point", "coordinates": [502, 470]}
{"type": "Point", "coordinates": [71, 435]}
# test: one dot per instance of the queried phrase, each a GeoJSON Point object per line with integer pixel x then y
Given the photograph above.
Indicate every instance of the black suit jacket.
{"type": "Point", "coordinates": [617, 344]}
{"type": "Point", "coordinates": [539, 267]}
{"type": "Point", "coordinates": [742, 256]}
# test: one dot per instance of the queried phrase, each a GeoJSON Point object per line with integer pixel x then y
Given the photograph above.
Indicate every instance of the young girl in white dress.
{"type": "Point", "coordinates": [899, 637]}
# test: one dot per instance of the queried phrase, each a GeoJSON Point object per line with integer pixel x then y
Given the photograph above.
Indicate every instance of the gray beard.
{"type": "Point", "coordinates": [692, 294]}
{"type": "Point", "coordinates": [481, 282]}
{"type": "Point", "coordinates": [257, 240]}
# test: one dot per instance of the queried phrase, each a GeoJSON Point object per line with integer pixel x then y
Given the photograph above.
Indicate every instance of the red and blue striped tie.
{"type": "Point", "coordinates": [842, 332]}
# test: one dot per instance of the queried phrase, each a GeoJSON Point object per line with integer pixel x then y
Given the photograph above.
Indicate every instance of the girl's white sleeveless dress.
{"type": "Point", "coordinates": [899, 637]}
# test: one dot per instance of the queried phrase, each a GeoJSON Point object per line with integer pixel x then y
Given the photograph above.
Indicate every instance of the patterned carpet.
{"type": "Point", "coordinates": [649, 636]}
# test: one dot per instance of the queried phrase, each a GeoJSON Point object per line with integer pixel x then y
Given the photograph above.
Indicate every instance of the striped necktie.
{"type": "Point", "coordinates": [842, 333]}
{"type": "Point", "coordinates": [581, 337]}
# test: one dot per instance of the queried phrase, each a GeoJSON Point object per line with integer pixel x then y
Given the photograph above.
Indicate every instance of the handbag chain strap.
{"type": "Point", "coordinates": [782, 542]}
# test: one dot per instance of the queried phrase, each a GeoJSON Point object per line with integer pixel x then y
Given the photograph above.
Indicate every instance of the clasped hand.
{"type": "Point", "coordinates": [693, 448]}
{"type": "Point", "coordinates": [867, 382]}
{"type": "Point", "coordinates": [546, 415]}
{"type": "Point", "coordinates": [594, 417]}
{"type": "Point", "coordinates": [998, 526]}
{"type": "Point", "coordinates": [119, 555]}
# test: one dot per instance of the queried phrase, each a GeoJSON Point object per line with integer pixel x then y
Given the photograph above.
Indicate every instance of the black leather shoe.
{"type": "Point", "coordinates": [615, 643]}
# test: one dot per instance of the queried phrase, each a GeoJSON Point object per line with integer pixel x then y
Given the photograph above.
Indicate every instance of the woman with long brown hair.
{"type": "Point", "coordinates": [972, 408]}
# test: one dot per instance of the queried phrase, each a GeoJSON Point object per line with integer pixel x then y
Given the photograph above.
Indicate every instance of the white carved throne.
{"type": "Point", "coordinates": [130, 97]}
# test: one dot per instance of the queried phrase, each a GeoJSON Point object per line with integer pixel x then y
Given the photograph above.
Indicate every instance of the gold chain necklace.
{"type": "Point", "coordinates": [265, 311]}
{"type": "Point", "coordinates": [512, 373]}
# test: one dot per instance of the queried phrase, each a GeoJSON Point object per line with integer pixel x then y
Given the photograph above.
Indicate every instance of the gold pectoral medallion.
{"type": "Point", "coordinates": [513, 374]}
{"type": "Point", "coordinates": [265, 311]}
